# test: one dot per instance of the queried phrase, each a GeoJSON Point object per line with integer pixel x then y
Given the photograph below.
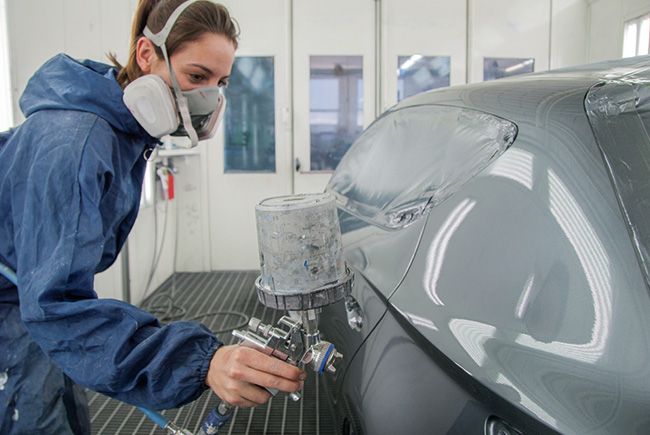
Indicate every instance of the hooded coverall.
{"type": "Point", "coordinates": [70, 183]}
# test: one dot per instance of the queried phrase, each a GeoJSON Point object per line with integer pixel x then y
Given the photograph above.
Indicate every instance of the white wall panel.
{"type": "Point", "coordinates": [82, 28]}
{"type": "Point", "coordinates": [39, 29]}
{"type": "Point", "coordinates": [6, 107]}
{"type": "Point", "coordinates": [509, 29]}
{"type": "Point", "coordinates": [607, 18]}
{"type": "Point", "coordinates": [115, 28]}
{"type": "Point", "coordinates": [108, 284]}
{"type": "Point", "coordinates": [142, 251]}
{"type": "Point", "coordinates": [426, 27]}
{"type": "Point", "coordinates": [606, 36]}
{"type": "Point", "coordinates": [35, 35]}
{"type": "Point", "coordinates": [634, 8]}
{"type": "Point", "coordinates": [569, 33]}
{"type": "Point", "coordinates": [192, 202]}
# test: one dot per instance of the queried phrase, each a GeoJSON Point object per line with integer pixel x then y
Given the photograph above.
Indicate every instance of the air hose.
{"type": "Point", "coordinates": [215, 420]}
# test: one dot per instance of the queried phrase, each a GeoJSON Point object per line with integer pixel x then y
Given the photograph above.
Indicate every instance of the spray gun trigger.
{"type": "Point", "coordinates": [307, 358]}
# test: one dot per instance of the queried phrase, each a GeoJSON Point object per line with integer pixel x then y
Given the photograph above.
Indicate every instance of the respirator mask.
{"type": "Point", "coordinates": [162, 111]}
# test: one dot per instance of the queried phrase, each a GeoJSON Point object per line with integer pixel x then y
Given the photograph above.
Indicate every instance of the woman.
{"type": "Point", "coordinates": [70, 182]}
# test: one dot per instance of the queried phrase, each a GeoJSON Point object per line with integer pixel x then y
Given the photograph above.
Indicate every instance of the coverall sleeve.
{"type": "Point", "coordinates": [106, 345]}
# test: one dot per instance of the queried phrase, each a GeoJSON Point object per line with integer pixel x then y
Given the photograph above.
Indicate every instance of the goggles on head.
{"type": "Point", "coordinates": [161, 110]}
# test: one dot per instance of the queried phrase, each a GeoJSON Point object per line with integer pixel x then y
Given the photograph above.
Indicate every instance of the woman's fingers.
{"type": "Point", "coordinates": [239, 375]}
{"type": "Point", "coordinates": [268, 380]}
{"type": "Point", "coordinates": [235, 400]}
{"type": "Point", "coordinates": [246, 395]}
{"type": "Point", "coordinates": [276, 367]}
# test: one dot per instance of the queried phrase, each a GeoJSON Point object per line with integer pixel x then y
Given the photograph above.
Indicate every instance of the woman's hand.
{"type": "Point", "coordinates": [238, 375]}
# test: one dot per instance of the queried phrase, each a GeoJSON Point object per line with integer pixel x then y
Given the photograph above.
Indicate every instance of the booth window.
{"type": "Point", "coordinates": [500, 67]}
{"type": "Point", "coordinates": [250, 117]}
{"type": "Point", "coordinates": [636, 36]}
{"type": "Point", "coordinates": [335, 108]}
{"type": "Point", "coordinates": [6, 109]}
{"type": "Point", "coordinates": [418, 73]}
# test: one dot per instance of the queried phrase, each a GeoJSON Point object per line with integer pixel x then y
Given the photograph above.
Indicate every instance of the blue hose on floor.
{"type": "Point", "coordinates": [154, 416]}
{"type": "Point", "coordinates": [211, 424]}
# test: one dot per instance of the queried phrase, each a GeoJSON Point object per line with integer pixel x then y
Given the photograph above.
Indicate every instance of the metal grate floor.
{"type": "Point", "coordinates": [199, 293]}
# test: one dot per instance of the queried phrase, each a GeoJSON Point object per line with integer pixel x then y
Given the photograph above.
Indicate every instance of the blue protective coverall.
{"type": "Point", "coordinates": [70, 182]}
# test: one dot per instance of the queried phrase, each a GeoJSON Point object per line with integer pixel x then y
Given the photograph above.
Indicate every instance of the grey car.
{"type": "Point", "coordinates": [499, 234]}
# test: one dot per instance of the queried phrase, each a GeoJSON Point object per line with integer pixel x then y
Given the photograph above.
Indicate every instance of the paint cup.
{"type": "Point", "coordinates": [299, 240]}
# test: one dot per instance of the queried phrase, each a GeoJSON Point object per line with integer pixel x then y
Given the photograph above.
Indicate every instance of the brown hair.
{"type": "Point", "coordinates": [199, 18]}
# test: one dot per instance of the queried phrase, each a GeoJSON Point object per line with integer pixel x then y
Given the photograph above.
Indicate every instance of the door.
{"type": "Point", "coordinates": [333, 84]}
{"type": "Point", "coordinates": [424, 47]}
{"type": "Point", "coordinates": [250, 158]}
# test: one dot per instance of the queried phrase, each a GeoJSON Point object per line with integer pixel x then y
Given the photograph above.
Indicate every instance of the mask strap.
{"type": "Point", "coordinates": [159, 39]}
{"type": "Point", "coordinates": [181, 102]}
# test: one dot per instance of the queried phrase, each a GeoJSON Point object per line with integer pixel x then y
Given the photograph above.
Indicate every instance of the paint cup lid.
{"type": "Point", "coordinates": [294, 202]}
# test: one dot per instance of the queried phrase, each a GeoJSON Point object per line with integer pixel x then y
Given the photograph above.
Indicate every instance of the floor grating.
{"type": "Point", "coordinates": [191, 294]}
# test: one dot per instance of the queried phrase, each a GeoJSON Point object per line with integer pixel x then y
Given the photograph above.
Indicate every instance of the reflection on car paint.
{"type": "Point", "coordinates": [439, 245]}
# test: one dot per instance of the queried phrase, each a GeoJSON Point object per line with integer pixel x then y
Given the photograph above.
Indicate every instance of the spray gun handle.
{"type": "Point", "coordinates": [288, 342]}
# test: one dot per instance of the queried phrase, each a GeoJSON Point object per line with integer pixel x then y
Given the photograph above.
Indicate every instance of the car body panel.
{"type": "Point", "coordinates": [406, 386]}
{"type": "Point", "coordinates": [370, 253]}
{"type": "Point", "coordinates": [525, 282]}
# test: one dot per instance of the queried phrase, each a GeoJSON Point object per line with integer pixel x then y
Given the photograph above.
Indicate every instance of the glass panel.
{"type": "Point", "coordinates": [629, 39]}
{"type": "Point", "coordinates": [498, 68]}
{"type": "Point", "coordinates": [419, 73]}
{"type": "Point", "coordinates": [644, 37]}
{"type": "Point", "coordinates": [250, 116]}
{"type": "Point", "coordinates": [414, 158]}
{"type": "Point", "coordinates": [619, 113]}
{"type": "Point", "coordinates": [335, 108]}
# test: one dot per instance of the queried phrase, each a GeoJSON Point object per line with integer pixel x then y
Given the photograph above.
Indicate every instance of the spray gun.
{"type": "Point", "coordinates": [296, 338]}
{"type": "Point", "coordinates": [303, 270]}
{"type": "Point", "coordinates": [291, 342]}
{"type": "Point", "coordinates": [302, 265]}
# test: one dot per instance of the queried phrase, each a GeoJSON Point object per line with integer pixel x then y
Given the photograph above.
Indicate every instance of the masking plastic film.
{"type": "Point", "coordinates": [414, 158]}
{"type": "Point", "coordinates": [299, 241]}
{"type": "Point", "coordinates": [619, 114]}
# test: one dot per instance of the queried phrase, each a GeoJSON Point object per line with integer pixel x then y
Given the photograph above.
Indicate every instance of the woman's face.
{"type": "Point", "coordinates": [197, 64]}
